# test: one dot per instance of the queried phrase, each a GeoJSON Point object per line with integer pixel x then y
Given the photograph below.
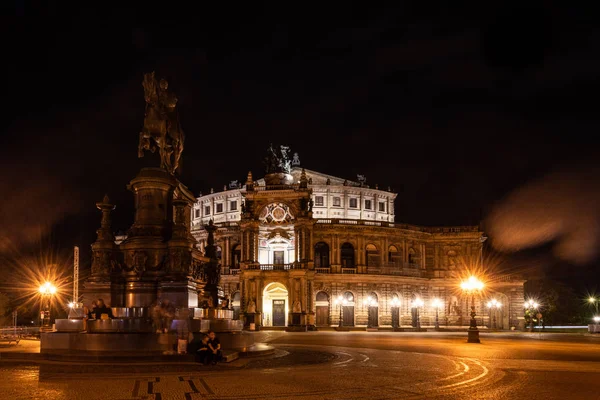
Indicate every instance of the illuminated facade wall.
{"type": "Point", "coordinates": [278, 251]}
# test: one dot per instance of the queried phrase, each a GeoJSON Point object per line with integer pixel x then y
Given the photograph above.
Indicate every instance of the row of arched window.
{"type": "Point", "coordinates": [347, 255]}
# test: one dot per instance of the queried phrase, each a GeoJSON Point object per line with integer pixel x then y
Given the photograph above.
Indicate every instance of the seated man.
{"type": "Point", "coordinates": [203, 351]}
{"type": "Point", "coordinates": [214, 345]}
{"type": "Point", "coordinates": [103, 311]}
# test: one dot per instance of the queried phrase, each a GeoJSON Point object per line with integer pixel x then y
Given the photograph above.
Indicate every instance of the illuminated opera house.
{"type": "Point", "coordinates": [303, 249]}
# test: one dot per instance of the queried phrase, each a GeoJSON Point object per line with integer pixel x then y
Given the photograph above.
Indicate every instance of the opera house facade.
{"type": "Point", "coordinates": [302, 249]}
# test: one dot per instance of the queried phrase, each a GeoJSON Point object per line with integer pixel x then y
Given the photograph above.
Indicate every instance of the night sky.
{"type": "Point", "coordinates": [452, 107]}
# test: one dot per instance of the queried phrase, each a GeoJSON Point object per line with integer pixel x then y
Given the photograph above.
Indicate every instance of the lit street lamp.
{"type": "Point", "coordinates": [494, 304]}
{"type": "Point", "coordinates": [340, 301]}
{"type": "Point", "coordinates": [594, 301]}
{"type": "Point", "coordinates": [531, 306]}
{"type": "Point", "coordinates": [416, 304]}
{"type": "Point", "coordinates": [597, 319]}
{"type": "Point", "coordinates": [472, 286]}
{"type": "Point", "coordinates": [437, 304]}
{"type": "Point", "coordinates": [395, 312]}
{"type": "Point", "coordinates": [47, 290]}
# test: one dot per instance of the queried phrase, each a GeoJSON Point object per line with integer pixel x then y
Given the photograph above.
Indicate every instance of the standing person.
{"type": "Point", "coordinates": [167, 313]}
{"type": "Point", "coordinates": [214, 345]}
{"type": "Point", "coordinates": [202, 354]}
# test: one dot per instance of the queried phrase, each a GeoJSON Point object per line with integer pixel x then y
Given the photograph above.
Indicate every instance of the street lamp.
{"type": "Point", "coordinates": [531, 306]}
{"type": "Point", "coordinates": [494, 304]}
{"type": "Point", "coordinates": [594, 301]}
{"type": "Point", "coordinates": [340, 301]}
{"type": "Point", "coordinates": [416, 304]}
{"type": "Point", "coordinates": [472, 286]}
{"type": "Point", "coordinates": [437, 304]}
{"type": "Point", "coordinates": [597, 319]}
{"type": "Point", "coordinates": [395, 312]}
{"type": "Point", "coordinates": [47, 290]}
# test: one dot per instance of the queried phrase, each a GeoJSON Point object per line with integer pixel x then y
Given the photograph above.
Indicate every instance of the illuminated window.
{"type": "Point", "coordinates": [206, 210]}
{"type": "Point", "coordinates": [381, 206]}
{"type": "Point", "coordinates": [367, 204]}
{"type": "Point", "coordinates": [197, 213]}
{"type": "Point", "coordinates": [233, 206]}
{"type": "Point", "coordinates": [319, 201]}
{"type": "Point", "coordinates": [220, 207]}
{"type": "Point", "coordinates": [336, 202]}
{"type": "Point", "coordinates": [353, 203]}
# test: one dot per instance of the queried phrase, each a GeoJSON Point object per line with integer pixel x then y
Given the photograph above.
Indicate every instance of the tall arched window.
{"type": "Point", "coordinates": [372, 256]}
{"type": "Point", "coordinates": [347, 255]}
{"type": "Point", "coordinates": [321, 255]}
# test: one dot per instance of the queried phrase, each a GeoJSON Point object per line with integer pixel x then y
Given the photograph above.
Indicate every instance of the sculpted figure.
{"type": "Point", "coordinates": [161, 129]}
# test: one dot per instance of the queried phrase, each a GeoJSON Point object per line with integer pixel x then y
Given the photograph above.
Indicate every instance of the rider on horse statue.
{"type": "Point", "coordinates": [161, 124]}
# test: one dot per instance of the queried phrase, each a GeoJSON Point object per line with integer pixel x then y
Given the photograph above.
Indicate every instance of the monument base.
{"type": "Point", "coordinates": [473, 336]}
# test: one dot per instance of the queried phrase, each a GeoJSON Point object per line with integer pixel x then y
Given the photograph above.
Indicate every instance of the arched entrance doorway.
{"type": "Point", "coordinates": [322, 318]}
{"type": "Point", "coordinates": [372, 303]}
{"type": "Point", "coordinates": [347, 255]}
{"type": "Point", "coordinates": [235, 304]}
{"type": "Point", "coordinates": [275, 305]}
{"type": "Point", "coordinates": [348, 310]}
{"type": "Point", "coordinates": [321, 255]}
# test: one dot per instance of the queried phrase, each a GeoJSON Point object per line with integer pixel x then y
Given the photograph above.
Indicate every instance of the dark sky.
{"type": "Point", "coordinates": [453, 106]}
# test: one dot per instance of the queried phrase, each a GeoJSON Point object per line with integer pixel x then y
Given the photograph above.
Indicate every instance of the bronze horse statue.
{"type": "Point", "coordinates": [161, 129]}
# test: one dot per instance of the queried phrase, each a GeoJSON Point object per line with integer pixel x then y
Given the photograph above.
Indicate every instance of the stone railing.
{"type": "Point", "coordinates": [385, 224]}
{"type": "Point", "coordinates": [275, 267]}
{"type": "Point", "coordinates": [230, 271]}
{"type": "Point", "coordinates": [377, 270]}
{"type": "Point", "coordinates": [261, 188]}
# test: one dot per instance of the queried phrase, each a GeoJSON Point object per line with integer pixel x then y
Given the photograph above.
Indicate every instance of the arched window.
{"type": "Point", "coordinates": [413, 258]}
{"type": "Point", "coordinates": [372, 257]}
{"type": "Point", "coordinates": [347, 255]}
{"type": "Point", "coordinates": [236, 256]}
{"type": "Point", "coordinates": [394, 255]}
{"type": "Point", "coordinates": [321, 255]}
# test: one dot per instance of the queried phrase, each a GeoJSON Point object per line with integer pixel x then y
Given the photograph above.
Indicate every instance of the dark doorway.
{"type": "Point", "coordinates": [321, 255]}
{"type": "Point", "coordinates": [347, 255]}
{"type": "Point", "coordinates": [373, 311]}
{"type": "Point", "coordinates": [322, 317]}
{"type": "Point", "coordinates": [348, 310]}
{"type": "Point", "coordinates": [278, 312]}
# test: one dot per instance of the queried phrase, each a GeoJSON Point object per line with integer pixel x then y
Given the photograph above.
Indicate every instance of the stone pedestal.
{"type": "Point", "coordinates": [473, 336]}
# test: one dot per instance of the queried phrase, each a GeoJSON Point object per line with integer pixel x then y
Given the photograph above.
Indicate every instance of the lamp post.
{"type": "Point", "coordinates": [437, 304]}
{"type": "Point", "coordinates": [340, 301]}
{"type": "Point", "coordinates": [416, 304]}
{"type": "Point", "coordinates": [395, 313]}
{"type": "Point", "coordinates": [47, 290]}
{"type": "Point", "coordinates": [531, 306]}
{"type": "Point", "coordinates": [594, 301]}
{"type": "Point", "coordinates": [494, 304]}
{"type": "Point", "coordinates": [472, 286]}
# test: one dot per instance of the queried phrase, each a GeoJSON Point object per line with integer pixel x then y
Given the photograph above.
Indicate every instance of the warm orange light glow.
{"type": "Point", "coordinates": [47, 288]}
{"type": "Point", "coordinates": [436, 303]}
{"type": "Point", "coordinates": [471, 284]}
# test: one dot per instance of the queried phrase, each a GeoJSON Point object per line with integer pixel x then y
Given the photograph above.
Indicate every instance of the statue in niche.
{"type": "Point", "coordinates": [251, 309]}
{"type": "Point", "coordinates": [297, 307]}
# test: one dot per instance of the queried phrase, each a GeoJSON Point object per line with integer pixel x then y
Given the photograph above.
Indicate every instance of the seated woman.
{"type": "Point", "coordinates": [214, 345]}
{"type": "Point", "coordinates": [202, 354]}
